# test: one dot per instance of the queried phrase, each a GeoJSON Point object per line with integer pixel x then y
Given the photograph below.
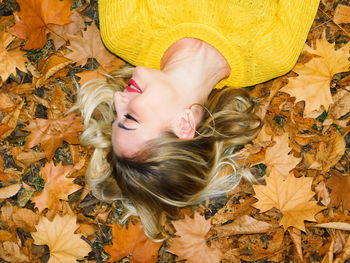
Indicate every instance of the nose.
{"type": "Point", "coordinates": [121, 99]}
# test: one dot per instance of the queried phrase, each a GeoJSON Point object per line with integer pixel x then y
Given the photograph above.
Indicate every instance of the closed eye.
{"type": "Point", "coordinates": [128, 116]}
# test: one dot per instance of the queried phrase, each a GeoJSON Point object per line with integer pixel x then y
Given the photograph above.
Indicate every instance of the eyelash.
{"type": "Point", "coordinates": [128, 116]}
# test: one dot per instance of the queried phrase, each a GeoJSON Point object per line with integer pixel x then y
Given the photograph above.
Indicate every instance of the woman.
{"type": "Point", "coordinates": [174, 127]}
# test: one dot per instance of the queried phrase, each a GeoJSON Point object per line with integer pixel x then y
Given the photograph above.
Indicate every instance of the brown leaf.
{"type": "Point", "coordinates": [36, 17]}
{"type": "Point", "coordinates": [25, 219]}
{"type": "Point", "coordinates": [58, 235]}
{"type": "Point", "coordinates": [51, 133]}
{"type": "Point", "coordinates": [277, 159]}
{"type": "Point", "coordinates": [244, 225]}
{"type": "Point", "coordinates": [10, 59]}
{"type": "Point", "coordinates": [11, 120]}
{"type": "Point", "coordinates": [51, 195]}
{"type": "Point", "coordinates": [342, 14]}
{"type": "Point", "coordinates": [8, 191]}
{"type": "Point", "coordinates": [291, 197]}
{"type": "Point", "coordinates": [132, 241]}
{"type": "Point", "coordinates": [5, 102]}
{"type": "Point", "coordinates": [10, 251]}
{"type": "Point", "coordinates": [28, 157]}
{"type": "Point", "coordinates": [295, 234]}
{"type": "Point", "coordinates": [340, 185]}
{"type": "Point", "coordinates": [313, 83]}
{"type": "Point", "coordinates": [89, 46]}
{"type": "Point", "coordinates": [191, 243]}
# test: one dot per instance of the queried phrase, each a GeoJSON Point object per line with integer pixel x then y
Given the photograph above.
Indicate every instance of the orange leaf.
{"type": "Point", "coordinates": [192, 245]}
{"type": "Point", "coordinates": [58, 235]}
{"type": "Point", "coordinates": [55, 176]}
{"type": "Point", "coordinates": [89, 46]}
{"type": "Point", "coordinates": [291, 197]}
{"type": "Point", "coordinates": [51, 133]}
{"type": "Point", "coordinates": [132, 241]}
{"type": "Point", "coordinates": [313, 83]}
{"type": "Point", "coordinates": [340, 185]}
{"type": "Point", "coordinates": [342, 14]}
{"type": "Point", "coordinates": [277, 159]}
{"type": "Point", "coordinates": [10, 60]}
{"type": "Point", "coordinates": [36, 17]}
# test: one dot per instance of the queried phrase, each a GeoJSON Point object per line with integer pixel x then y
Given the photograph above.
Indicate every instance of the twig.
{"type": "Point", "coordinates": [334, 22]}
{"type": "Point", "coordinates": [97, 254]}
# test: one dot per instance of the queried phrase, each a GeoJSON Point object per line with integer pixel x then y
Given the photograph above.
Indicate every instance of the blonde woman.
{"type": "Point", "coordinates": [162, 141]}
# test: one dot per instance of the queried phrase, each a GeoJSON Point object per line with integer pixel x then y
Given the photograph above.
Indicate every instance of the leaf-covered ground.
{"type": "Point", "coordinates": [299, 212]}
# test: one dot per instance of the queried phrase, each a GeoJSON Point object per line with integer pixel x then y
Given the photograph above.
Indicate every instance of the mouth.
{"type": "Point", "coordinates": [133, 87]}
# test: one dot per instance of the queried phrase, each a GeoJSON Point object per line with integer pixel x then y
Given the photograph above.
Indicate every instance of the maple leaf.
{"type": "Point", "coordinates": [313, 83]}
{"type": "Point", "coordinates": [290, 196]}
{"type": "Point", "coordinates": [192, 245]}
{"type": "Point", "coordinates": [340, 186]}
{"type": "Point", "coordinates": [36, 17]}
{"type": "Point", "coordinates": [58, 235]}
{"type": "Point", "coordinates": [277, 159]}
{"type": "Point", "coordinates": [10, 59]}
{"type": "Point", "coordinates": [51, 133]}
{"type": "Point", "coordinates": [132, 241]}
{"type": "Point", "coordinates": [54, 176]}
{"type": "Point", "coordinates": [89, 46]}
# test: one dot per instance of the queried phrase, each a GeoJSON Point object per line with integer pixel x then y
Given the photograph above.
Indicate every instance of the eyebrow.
{"type": "Point", "coordinates": [120, 125]}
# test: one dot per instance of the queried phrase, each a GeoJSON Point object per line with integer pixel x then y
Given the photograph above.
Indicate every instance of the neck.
{"type": "Point", "coordinates": [196, 67]}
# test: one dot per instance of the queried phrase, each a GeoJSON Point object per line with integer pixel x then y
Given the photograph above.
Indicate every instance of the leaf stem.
{"type": "Point", "coordinates": [334, 22]}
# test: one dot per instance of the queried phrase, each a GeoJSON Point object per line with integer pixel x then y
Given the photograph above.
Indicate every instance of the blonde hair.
{"type": "Point", "coordinates": [169, 173]}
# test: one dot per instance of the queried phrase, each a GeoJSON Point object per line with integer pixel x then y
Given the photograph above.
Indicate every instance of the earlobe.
{"type": "Point", "coordinates": [186, 128]}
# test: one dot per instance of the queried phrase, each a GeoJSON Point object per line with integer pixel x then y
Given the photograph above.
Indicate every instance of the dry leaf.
{"type": "Point", "coordinates": [291, 197]}
{"type": "Point", "coordinates": [51, 195]}
{"type": "Point", "coordinates": [5, 102]}
{"type": "Point", "coordinates": [51, 133]}
{"type": "Point", "coordinates": [340, 185]}
{"type": "Point", "coordinates": [36, 16]}
{"type": "Point", "coordinates": [322, 193]}
{"type": "Point", "coordinates": [25, 219]}
{"type": "Point", "coordinates": [10, 59]}
{"type": "Point", "coordinates": [244, 225]}
{"type": "Point", "coordinates": [28, 157]}
{"type": "Point", "coordinates": [277, 159]}
{"type": "Point", "coordinates": [58, 235]}
{"type": "Point", "coordinates": [345, 253]}
{"type": "Point", "coordinates": [295, 234]}
{"type": "Point", "coordinates": [8, 191]}
{"type": "Point", "coordinates": [10, 251]}
{"type": "Point", "coordinates": [132, 241]}
{"type": "Point", "coordinates": [313, 83]}
{"type": "Point", "coordinates": [191, 243]}
{"type": "Point", "coordinates": [342, 14]}
{"type": "Point", "coordinates": [89, 46]}
{"type": "Point", "coordinates": [11, 120]}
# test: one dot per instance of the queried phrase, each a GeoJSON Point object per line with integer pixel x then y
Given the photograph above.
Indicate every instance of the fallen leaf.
{"type": "Point", "coordinates": [36, 16]}
{"type": "Point", "coordinates": [10, 59]}
{"type": "Point", "coordinates": [290, 196]}
{"type": "Point", "coordinates": [244, 225]}
{"type": "Point", "coordinates": [132, 241]}
{"type": "Point", "coordinates": [312, 84]}
{"type": "Point", "coordinates": [51, 195]}
{"type": "Point", "coordinates": [89, 46]}
{"type": "Point", "coordinates": [25, 219]}
{"type": "Point", "coordinates": [51, 133]}
{"type": "Point", "coordinates": [295, 235]}
{"type": "Point", "coordinates": [277, 158]}
{"type": "Point", "coordinates": [322, 193]}
{"type": "Point", "coordinates": [191, 243]}
{"type": "Point", "coordinates": [29, 157]}
{"type": "Point", "coordinates": [10, 251]}
{"type": "Point", "coordinates": [342, 14]}
{"type": "Point", "coordinates": [8, 191]}
{"type": "Point", "coordinates": [345, 253]}
{"type": "Point", "coordinates": [5, 101]}
{"type": "Point", "coordinates": [58, 235]}
{"type": "Point", "coordinates": [340, 185]}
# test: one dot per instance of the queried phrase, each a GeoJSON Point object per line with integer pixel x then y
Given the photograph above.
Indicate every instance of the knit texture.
{"type": "Point", "coordinates": [260, 39]}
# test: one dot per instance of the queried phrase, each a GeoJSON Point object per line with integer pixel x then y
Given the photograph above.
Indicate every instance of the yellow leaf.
{"type": "Point", "coordinates": [192, 245]}
{"type": "Point", "coordinates": [291, 197]}
{"type": "Point", "coordinates": [58, 235]}
{"type": "Point", "coordinates": [277, 159]}
{"type": "Point", "coordinates": [313, 83]}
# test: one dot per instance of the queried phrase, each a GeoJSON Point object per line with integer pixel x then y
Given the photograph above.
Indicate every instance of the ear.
{"type": "Point", "coordinates": [186, 126]}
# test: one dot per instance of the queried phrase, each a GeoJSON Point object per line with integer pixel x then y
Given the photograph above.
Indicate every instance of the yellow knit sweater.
{"type": "Point", "coordinates": [260, 39]}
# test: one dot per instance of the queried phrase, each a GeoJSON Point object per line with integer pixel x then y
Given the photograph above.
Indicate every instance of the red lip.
{"type": "Point", "coordinates": [133, 82]}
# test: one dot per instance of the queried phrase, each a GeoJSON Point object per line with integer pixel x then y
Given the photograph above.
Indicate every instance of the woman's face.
{"type": "Point", "coordinates": [146, 109]}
